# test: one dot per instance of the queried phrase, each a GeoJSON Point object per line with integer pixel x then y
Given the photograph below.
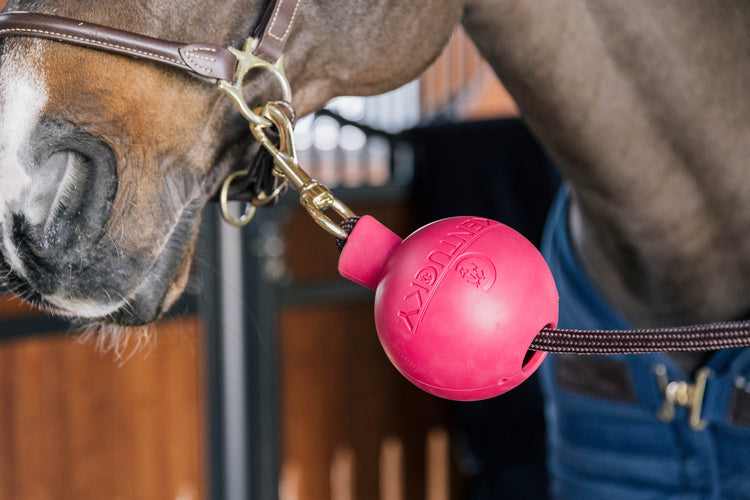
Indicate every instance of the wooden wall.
{"type": "Point", "coordinates": [77, 424]}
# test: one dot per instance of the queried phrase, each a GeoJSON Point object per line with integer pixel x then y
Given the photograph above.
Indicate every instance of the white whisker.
{"type": "Point", "coordinates": [120, 341]}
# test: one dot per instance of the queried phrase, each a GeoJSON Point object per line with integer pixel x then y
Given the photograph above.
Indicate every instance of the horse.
{"type": "Point", "coordinates": [107, 161]}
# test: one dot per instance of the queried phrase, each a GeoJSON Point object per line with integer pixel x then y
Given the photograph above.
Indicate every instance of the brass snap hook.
{"type": "Point", "coordinates": [315, 197]}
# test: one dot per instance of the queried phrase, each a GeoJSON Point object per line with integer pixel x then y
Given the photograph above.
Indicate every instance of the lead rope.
{"type": "Point", "coordinates": [706, 337]}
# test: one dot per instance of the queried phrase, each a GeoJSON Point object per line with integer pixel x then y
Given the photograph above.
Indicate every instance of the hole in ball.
{"type": "Point", "coordinates": [528, 357]}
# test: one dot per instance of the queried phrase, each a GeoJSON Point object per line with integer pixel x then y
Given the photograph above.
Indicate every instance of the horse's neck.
{"type": "Point", "coordinates": [644, 106]}
{"type": "Point", "coordinates": [364, 47]}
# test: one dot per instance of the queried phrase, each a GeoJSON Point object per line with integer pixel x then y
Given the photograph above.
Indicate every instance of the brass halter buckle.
{"type": "Point", "coordinates": [246, 62]}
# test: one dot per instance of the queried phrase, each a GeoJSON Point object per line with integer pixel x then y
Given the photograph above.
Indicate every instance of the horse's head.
{"type": "Point", "coordinates": [106, 161]}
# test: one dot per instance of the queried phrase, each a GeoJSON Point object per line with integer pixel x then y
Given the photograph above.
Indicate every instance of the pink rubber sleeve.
{"type": "Point", "coordinates": [366, 251]}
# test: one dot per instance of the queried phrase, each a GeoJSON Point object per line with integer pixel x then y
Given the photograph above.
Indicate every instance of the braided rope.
{"type": "Point", "coordinates": [348, 226]}
{"type": "Point", "coordinates": [707, 337]}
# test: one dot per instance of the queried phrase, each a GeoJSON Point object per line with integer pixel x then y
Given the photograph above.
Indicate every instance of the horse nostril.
{"type": "Point", "coordinates": [55, 225]}
{"type": "Point", "coordinates": [73, 184]}
{"type": "Point", "coordinates": [57, 190]}
{"type": "Point", "coordinates": [75, 197]}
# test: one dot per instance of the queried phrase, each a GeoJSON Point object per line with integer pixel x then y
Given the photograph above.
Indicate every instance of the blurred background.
{"type": "Point", "coordinates": [267, 380]}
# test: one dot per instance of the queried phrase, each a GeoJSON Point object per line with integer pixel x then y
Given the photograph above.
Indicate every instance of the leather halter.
{"type": "Point", "coordinates": [201, 59]}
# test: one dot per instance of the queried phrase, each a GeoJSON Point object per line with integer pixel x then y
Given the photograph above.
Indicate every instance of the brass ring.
{"type": "Point", "coordinates": [249, 211]}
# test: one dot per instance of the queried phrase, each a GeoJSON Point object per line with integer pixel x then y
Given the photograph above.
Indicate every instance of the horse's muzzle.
{"type": "Point", "coordinates": [52, 231]}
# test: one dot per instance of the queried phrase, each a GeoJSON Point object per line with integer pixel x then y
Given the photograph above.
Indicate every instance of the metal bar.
{"type": "Point", "coordinates": [239, 309]}
{"type": "Point", "coordinates": [260, 309]}
{"type": "Point", "coordinates": [234, 404]}
{"type": "Point", "coordinates": [209, 305]}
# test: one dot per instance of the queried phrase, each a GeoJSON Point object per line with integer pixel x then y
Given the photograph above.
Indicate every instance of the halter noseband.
{"type": "Point", "coordinates": [272, 33]}
{"type": "Point", "coordinates": [225, 66]}
{"type": "Point", "coordinates": [204, 60]}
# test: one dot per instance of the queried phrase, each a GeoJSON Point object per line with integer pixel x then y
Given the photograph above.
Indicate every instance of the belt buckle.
{"type": "Point", "coordinates": [681, 393]}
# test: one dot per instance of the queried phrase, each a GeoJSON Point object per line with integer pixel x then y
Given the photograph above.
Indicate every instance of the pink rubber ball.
{"type": "Point", "coordinates": [457, 303]}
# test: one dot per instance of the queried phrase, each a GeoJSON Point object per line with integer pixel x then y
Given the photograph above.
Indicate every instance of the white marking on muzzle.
{"type": "Point", "coordinates": [23, 95]}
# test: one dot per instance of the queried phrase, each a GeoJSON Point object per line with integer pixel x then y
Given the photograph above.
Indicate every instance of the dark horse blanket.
{"type": "Point", "coordinates": [605, 439]}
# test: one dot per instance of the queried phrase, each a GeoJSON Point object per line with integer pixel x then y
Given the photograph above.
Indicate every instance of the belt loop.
{"type": "Point", "coordinates": [680, 393]}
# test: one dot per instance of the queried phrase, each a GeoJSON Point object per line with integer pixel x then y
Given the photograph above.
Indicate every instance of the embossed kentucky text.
{"type": "Point", "coordinates": [438, 259]}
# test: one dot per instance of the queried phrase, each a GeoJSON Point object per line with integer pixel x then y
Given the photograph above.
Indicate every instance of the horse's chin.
{"type": "Point", "coordinates": [160, 288]}
{"type": "Point", "coordinates": [138, 310]}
